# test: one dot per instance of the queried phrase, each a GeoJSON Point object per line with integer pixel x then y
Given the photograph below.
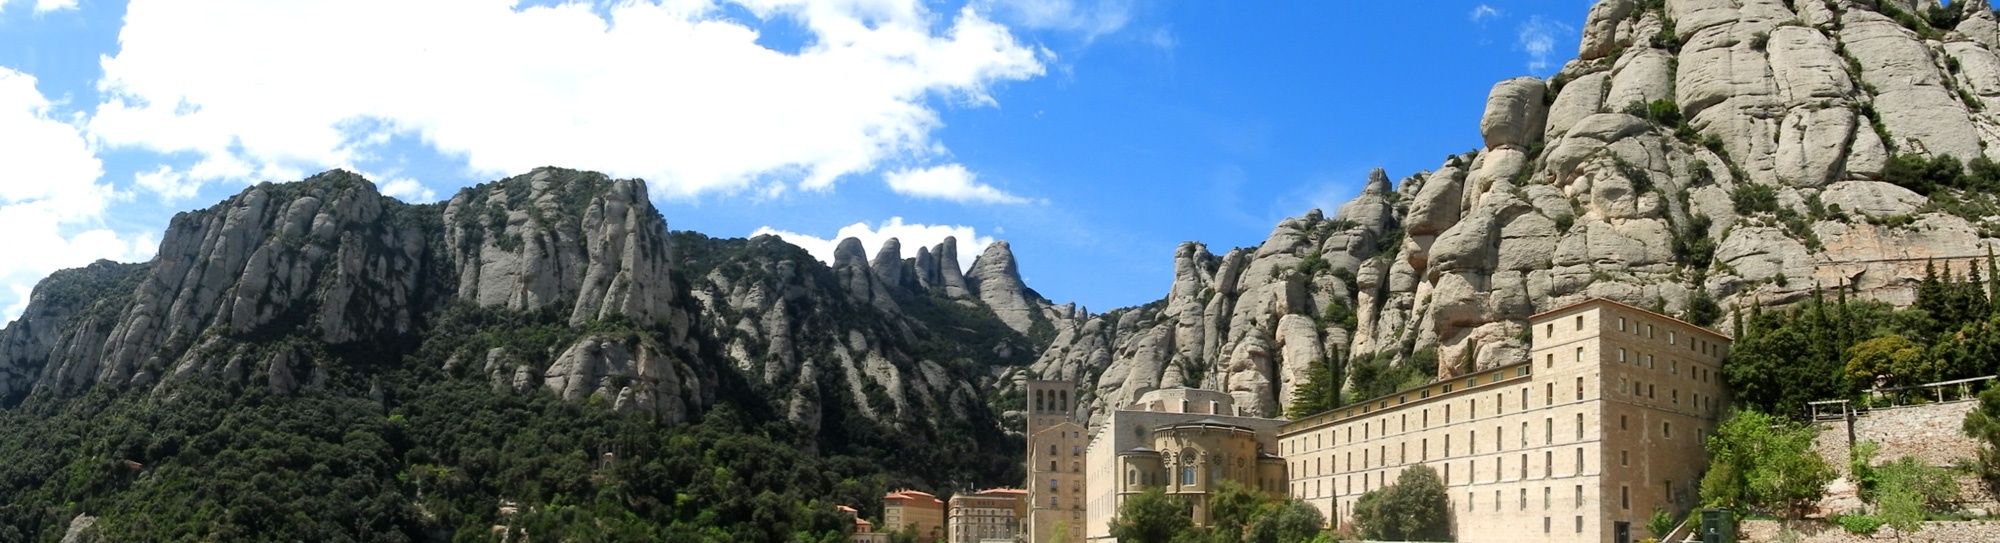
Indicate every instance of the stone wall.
{"type": "Point", "coordinates": [1928, 432]}
{"type": "Point", "coordinates": [1812, 531]}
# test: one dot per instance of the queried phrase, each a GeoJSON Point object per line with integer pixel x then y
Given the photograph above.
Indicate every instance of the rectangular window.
{"type": "Point", "coordinates": [1549, 360]}
{"type": "Point", "coordinates": [1579, 460]}
{"type": "Point", "coordinates": [1548, 499]}
{"type": "Point", "coordinates": [1621, 324]}
{"type": "Point", "coordinates": [1579, 496]}
{"type": "Point", "coordinates": [1549, 395]}
{"type": "Point", "coordinates": [1427, 418]}
{"type": "Point", "coordinates": [1549, 431]}
{"type": "Point", "coordinates": [1579, 426]}
{"type": "Point", "coordinates": [1425, 454]}
{"type": "Point", "coordinates": [1549, 331]}
{"type": "Point", "coordinates": [1548, 464]}
{"type": "Point", "coordinates": [1447, 474]}
{"type": "Point", "coordinates": [1667, 430]}
{"type": "Point", "coordinates": [1524, 499]}
{"type": "Point", "coordinates": [1621, 422]}
{"type": "Point", "coordinates": [1671, 335]}
{"type": "Point", "coordinates": [1579, 354]}
{"type": "Point", "coordinates": [1524, 396]}
{"type": "Point", "coordinates": [1579, 388]}
{"type": "Point", "coordinates": [1524, 469]}
{"type": "Point", "coordinates": [1579, 524]}
{"type": "Point", "coordinates": [1579, 322]}
{"type": "Point", "coordinates": [1447, 445]}
{"type": "Point", "coordinates": [1545, 525]}
{"type": "Point", "coordinates": [1624, 457]}
{"type": "Point", "coordinates": [1624, 497]}
{"type": "Point", "coordinates": [1496, 500]}
{"type": "Point", "coordinates": [1469, 501]}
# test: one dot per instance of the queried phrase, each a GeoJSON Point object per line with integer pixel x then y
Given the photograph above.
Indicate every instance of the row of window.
{"type": "Point", "coordinates": [1696, 372]}
{"type": "Point", "coordinates": [1381, 457]}
{"type": "Point", "coordinates": [1369, 428]}
{"type": "Point", "coordinates": [1548, 502]}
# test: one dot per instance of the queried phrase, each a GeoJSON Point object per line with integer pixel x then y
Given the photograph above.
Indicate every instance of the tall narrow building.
{"type": "Point", "coordinates": [1055, 463]}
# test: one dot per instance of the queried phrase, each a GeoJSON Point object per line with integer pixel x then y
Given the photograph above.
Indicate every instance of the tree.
{"type": "Point", "coordinates": [1414, 509]}
{"type": "Point", "coordinates": [1288, 521]}
{"type": "Point", "coordinates": [1892, 360]}
{"type": "Point", "coordinates": [1059, 533]}
{"type": "Point", "coordinates": [1151, 517]}
{"type": "Point", "coordinates": [1660, 523]}
{"type": "Point", "coordinates": [1907, 490]}
{"type": "Point", "coordinates": [1765, 463]}
{"type": "Point", "coordinates": [1983, 424]}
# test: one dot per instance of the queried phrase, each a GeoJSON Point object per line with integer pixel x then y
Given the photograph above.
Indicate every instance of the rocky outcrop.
{"type": "Point", "coordinates": [577, 241]}
{"type": "Point", "coordinates": [630, 374]}
{"type": "Point", "coordinates": [997, 281]}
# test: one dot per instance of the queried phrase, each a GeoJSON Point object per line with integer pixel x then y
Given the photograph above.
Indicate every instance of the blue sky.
{"type": "Point", "coordinates": [1093, 135]}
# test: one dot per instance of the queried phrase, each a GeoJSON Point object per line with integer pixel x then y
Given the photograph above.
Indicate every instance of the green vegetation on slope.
{"type": "Point", "coordinates": [1835, 349]}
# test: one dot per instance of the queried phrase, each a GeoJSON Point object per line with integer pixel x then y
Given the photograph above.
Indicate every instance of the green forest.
{"type": "Point", "coordinates": [1835, 347]}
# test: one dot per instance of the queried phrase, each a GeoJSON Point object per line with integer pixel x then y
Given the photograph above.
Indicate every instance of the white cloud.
{"type": "Point", "coordinates": [948, 182]}
{"type": "Point", "coordinates": [670, 92]}
{"type": "Point", "coordinates": [909, 235]}
{"type": "Point", "coordinates": [1538, 40]}
{"type": "Point", "coordinates": [409, 190]}
{"type": "Point", "coordinates": [1088, 18]}
{"type": "Point", "coordinates": [51, 205]}
{"type": "Point", "coordinates": [45, 6]}
{"type": "Point", "coordinates": [1483, 13]}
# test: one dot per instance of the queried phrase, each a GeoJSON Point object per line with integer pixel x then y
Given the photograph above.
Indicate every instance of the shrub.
{"type": "Point", "coordinates": [1752, 198]}
{"type": "Point", "coordinates": [1858, 524]}
{"type": "Point", "coordinates": [1665, 112]}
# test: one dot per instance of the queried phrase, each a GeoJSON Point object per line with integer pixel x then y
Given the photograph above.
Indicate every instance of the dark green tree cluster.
{"type": "Point", "coordinates": [1415, 508]}
{"type": "Point", "coordinates": [1824, 349]}
{"type": "Point", "coordinates": [1236, 514]}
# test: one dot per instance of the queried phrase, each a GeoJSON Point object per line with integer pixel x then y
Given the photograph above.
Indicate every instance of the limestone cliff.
{"type": "Point", "coordinates": [1697, 154]}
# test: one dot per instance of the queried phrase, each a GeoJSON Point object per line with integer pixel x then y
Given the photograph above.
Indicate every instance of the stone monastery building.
{"type": "Point", "coordinates": [1603, 425]}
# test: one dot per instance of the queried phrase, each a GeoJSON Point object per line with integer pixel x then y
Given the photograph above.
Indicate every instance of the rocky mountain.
{"type": "Point", "coordinates": [323, 286]}
{"type": "Point", "coordinates": [1696, 154]}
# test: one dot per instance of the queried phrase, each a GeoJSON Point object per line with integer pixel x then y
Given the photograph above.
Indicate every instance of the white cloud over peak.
{"type": "Point", "coordinates": [51, 204]}
{"type": "Point", "coordinates": [673, 92]}
{"type": "Point", "coordinates": [909, 235]}
{"type": "Point", "coordinates": [1538, 39]}
{"type": "Point", "coordinates": [948, 182]}
{"type": "Point", "coordinates": [409, 190]}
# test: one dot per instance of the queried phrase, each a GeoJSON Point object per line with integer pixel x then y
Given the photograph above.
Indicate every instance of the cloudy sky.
{"type": "Point", "coordinates": [1094, 135]}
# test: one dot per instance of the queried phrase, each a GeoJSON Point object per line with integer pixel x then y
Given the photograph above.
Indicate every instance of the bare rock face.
{"type": "Point", "coordinates": [574, 240]}
{"type": "Point", "coordinates": [997, 281]}
{"type": "Point", "coordinates": [629, 373]}
{"type": "Point", "coordinates": [1515, 113]}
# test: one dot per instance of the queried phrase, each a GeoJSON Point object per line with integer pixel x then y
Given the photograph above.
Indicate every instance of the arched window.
{"type": "Point", "coordinates": [1187, 476]}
